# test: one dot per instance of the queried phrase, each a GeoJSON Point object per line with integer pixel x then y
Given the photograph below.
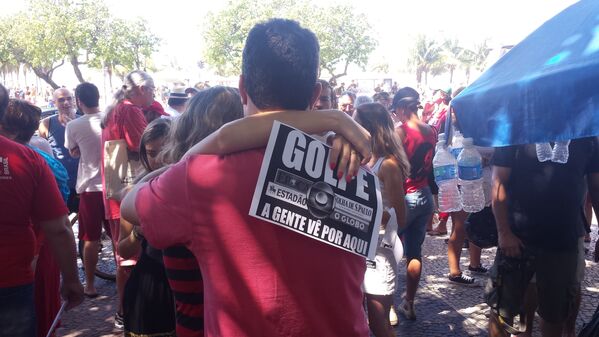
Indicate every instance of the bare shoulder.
{"type": "Point", "coordinates": [425, 129]}
{"type": "Point", "coordinates": [44, 126]}
{"type": "Point", "coordinates": [389, 167]}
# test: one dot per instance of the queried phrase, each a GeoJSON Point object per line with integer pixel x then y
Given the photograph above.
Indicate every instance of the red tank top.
{"type": "Point", "coordinates": [419, 149]}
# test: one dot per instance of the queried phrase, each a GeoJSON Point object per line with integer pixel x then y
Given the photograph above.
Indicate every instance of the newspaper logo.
{"type": "Point", "coordinates": [298, 190]}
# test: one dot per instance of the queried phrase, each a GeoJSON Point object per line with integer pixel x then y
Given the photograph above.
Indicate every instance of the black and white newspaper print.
{"type": "Point", "coordinates": [298, 190]}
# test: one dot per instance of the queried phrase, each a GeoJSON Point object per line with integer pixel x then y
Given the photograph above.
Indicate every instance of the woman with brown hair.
{"type": "Point", "coordinates": [207, 111]}
{"type": "Point", "coordinates": [390, 164]}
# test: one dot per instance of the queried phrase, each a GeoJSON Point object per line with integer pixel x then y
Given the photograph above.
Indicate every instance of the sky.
{"type": "Point", "coordinates": [395, 23]}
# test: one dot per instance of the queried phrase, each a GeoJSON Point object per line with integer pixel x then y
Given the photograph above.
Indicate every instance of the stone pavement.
{"type": "Point", "coordinates": [442, 309]}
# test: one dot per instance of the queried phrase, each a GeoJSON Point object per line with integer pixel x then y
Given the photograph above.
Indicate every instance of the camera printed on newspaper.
{"type": "Point", "coordinates": [297, 189]}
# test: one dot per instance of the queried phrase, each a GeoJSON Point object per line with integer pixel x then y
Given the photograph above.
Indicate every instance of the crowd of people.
{"type": "Point", "coordinates": [190, 259]}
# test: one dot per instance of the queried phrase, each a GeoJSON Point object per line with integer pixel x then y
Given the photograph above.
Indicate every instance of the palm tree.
{"type": "Point", "coordinates": [425, 57]}
{"type": "Point", "coordinates": [480, 54]}
{"type": "Point", "coordinates": [455, 56]}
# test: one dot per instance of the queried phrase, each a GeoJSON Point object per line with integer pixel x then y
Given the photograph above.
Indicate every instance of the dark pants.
{"type": "Point", "coordinates": [17, 311]}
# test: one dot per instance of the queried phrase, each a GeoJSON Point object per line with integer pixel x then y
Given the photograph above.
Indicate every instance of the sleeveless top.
{"type": "Point", "coordinates": [375, 170]}
{"type": "Point", "coordinates": [420, 151]}
{"type": "Point", "coordinates": [56, 133]}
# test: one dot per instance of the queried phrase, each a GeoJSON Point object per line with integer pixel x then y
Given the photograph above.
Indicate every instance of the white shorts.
{"type": "Point", "coordinates": [380, 274]}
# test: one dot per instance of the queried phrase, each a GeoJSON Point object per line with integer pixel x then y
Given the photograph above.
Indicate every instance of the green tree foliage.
{"type": "Point", "coordinates": [50, 32]}
{"type": "Point", "coordinates": [455, 56]}
{"type": "Point", "coordinates": [125, 46]}
{"type": "Point", "coordinates": [426, 57]}
{"type": "Point", "coordinates": [344, 35]}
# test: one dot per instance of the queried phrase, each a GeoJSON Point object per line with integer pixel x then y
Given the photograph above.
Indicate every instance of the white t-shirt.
{"type": "Point", "coordinates": [85, 132]}
{"type": "Point", "coordinates": [172, 112]}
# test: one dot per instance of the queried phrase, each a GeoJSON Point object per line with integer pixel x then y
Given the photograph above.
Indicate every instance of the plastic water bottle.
{"type": "Point", "coordinates": [560, 152]}
{"type": "Point", "coordinates": [457, 143]}
{"type": "Point", "coordinates": [445, 170]}
{"type": "Point", "coordinates": [544, 152]}
{"type": "Point", "coordinates": [470, 173]}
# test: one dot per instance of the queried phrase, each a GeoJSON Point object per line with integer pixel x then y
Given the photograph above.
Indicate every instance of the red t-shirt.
{"type": "Point", "coordinates": [126, 122]}
{"type": "Point", "coordinates": [420, 150]}
{"type": "Point", "coordinates": [259, 279]}
{"type": "Point", "coordinates": [28, 194]}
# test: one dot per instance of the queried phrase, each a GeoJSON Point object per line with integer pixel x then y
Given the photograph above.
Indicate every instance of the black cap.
{"type": "Point", "coordinates": [405, 96]}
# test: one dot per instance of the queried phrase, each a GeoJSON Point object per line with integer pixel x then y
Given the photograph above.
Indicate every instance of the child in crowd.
{"type": "Point", "coordinates": [147, 301]}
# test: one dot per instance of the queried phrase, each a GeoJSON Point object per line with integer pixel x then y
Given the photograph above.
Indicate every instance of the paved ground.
{"type": "Point", "coordinates": [442, 309]}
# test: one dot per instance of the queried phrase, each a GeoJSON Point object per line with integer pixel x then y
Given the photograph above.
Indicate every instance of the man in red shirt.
{"type": "Point", "coordinates": [29, 196]}
{"type": "Point", "coordinates": [259, 279]}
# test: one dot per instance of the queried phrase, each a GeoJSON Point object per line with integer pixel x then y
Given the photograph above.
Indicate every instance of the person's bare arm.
{"type": "Point", "coordinates": [129, 243]}
{"type": "Point", "coordinates": [391, 176]}
{"type": "Point", "coordinates": [60, 238]}
{"type": "Point", "coordinates": [253, 131]}
{"type": "Point", "coordinates": [128, 211]}
{"type": "Point", "coordinates": [43, 128]}
{"type": "Point", "coordinates": [509, 243]}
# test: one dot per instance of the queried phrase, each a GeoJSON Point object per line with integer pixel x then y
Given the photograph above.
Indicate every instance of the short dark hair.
{"type": "Point", "coordinates": [21, 119]}
{"type": "Point", "coordinates": [380, 96]}
{"type": "Point", "coordinates": [88, 94]}
{"type": "Point", "coordinates": [280, 65]}
{"type": "Point", "coordinates": [3, 100]}
{"type": "Point", "coordinates": [407, 98]}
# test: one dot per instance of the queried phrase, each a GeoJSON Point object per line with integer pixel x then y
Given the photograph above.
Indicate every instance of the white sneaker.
{"type": "Point", "coordinates": [393, 317]}
{"type": "Point", "coordinates": [407, 309]}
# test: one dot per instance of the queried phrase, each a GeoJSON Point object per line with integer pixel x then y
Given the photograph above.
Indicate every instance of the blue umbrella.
{"type": "Point", "coordinates": [545, 89]}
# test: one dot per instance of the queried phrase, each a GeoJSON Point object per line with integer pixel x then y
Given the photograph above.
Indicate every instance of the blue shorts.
{"type": "Point", "coordinates": [17, 311]}
{"type": "Point", "coordinates": [420, 206]}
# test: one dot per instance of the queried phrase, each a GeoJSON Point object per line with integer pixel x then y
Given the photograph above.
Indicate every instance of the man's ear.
{"type": "Point", "coordinates": [242, 91]}
{"type": "Point", "coordinates": [315, 94]}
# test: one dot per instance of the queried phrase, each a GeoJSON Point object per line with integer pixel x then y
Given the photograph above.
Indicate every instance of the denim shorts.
{"type": "Point", "coordinates": [420, 206]}
{"type": "Point", "coordinates": [17, 311]}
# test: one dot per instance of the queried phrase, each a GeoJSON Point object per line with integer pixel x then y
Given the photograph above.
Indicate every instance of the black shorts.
{"type": "Point", "coordinates": [558, 277]}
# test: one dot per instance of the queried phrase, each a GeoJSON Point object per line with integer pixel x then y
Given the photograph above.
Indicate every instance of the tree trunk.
{"type": "Point", "coordinates": [467, 75]}
{"type": "Point", "coordinates": [75, 63]}
{"type": "Point", "coordinates": [336, 76]}
{"type": "Point", "coordinates": [109, 70]}
{"type": "Point", "coordinates": [46, 77]}
{"type": "Point", "coordinates": [426, 78]}
{"type": "Point", "coordinates": [451, 76]}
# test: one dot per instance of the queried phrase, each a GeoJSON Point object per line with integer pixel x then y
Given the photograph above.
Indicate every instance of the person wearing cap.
{"type": "Point", "coordinates": [419, 141]}
{"type": "Point", "coordinates": [177, 99]}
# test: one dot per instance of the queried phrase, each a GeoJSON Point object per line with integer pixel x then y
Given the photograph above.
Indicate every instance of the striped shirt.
{"type": "Point", "coordinates": [185, 279]}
